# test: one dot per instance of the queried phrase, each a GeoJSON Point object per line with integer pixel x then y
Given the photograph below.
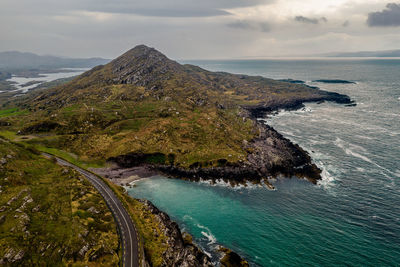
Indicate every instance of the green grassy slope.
{"type": "Point", "coordinates": [51, 215]}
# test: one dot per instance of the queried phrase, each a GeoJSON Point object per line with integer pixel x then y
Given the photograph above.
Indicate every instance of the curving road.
{"type": "Point", "coordinates": [127, 230]}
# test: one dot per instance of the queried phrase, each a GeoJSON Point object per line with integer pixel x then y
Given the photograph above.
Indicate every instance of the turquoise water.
{"type": "Point", "coordinates": [351, 218]}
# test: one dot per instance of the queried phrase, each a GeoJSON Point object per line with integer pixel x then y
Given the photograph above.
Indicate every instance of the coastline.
{"type": "Point", "coordinates": [269, 154]}
{"type": "Point", "coordinates": [125, 176]}
{"type": "Point", "coordinates": [126, 169]}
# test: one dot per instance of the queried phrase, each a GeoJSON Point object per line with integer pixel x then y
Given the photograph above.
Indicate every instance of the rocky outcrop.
{"type": "Point", "coordinates": [269, 155]}
{"type": "Point", "coordinates": [232, 259]}
{"type": "Point", "coordinates": [260, 111]}
{"type": "Point", "coordinates": [179, 252]}
{"type": "Point", "coordinates": [334, 81]}
{"type": "Point", "coordinates": [143, 66]}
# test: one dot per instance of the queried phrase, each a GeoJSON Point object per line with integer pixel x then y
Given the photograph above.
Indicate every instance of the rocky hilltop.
{"type": "Point", "coordinates": [145, 109]}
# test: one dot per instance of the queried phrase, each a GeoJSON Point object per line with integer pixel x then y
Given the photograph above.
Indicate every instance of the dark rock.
{"type": "Point", "coordinates": [292, 81]}
{"type": "Point", "coordinates": [44, 126]}
{"type": "Point", "coordinates": [4, 123]}
{"type": "Point", "coordinates": [232, 259]}
{"type": "Point", "coordinates": [179, 252]}
{"type": "Point", "coordinates": [334, 81]}
{"type": "Point", "coordinates": [2, 218]}
{"type": "Point", "coordinates": [143, 66]}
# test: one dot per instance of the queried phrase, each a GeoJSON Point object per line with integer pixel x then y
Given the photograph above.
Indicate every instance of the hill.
{"type": "Point", "coordinates": [11, 60]}
{"type": "Point", "coordinates": [145, 109]}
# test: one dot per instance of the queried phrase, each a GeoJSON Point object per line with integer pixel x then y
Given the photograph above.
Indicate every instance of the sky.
{"type": "Point", "coordinates": [199, 29]}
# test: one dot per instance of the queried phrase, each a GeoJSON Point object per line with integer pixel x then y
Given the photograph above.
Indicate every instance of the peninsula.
{"type": "Point", "coordinates": [143, 109]}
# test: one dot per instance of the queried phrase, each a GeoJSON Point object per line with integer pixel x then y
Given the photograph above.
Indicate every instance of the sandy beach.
{"type": "Point", "coordinates": [124, 176]}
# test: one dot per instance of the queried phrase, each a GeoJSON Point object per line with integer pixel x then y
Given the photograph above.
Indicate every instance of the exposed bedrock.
{"type": "Point", "coordinates": [269, 155]}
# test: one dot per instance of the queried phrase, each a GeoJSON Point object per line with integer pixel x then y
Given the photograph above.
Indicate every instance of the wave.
{"type": "Point", "coordinates": [340, 143]}
{"type": "Point", "coordinates": [365, 137]}
{"type": "Point", "coordinates": [207, 233]}
{"type": "Point", "coordinates": [360, 169]}
{"type": "Point", "coordinates": [328, 179]}
{"type": "Point", "coordinates": [287, 133]}
{"type": "Point", "coordinates": [211, 238]}
{"type": "Point", "coordinates": [188, 218]}
{"type": "Point", "coordinates": [222, 183]}
{"type": "Point", "coordinates": [138, 180]}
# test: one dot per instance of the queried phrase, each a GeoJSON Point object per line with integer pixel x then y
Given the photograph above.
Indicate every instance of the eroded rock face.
{"type": "Point", "coordinates": [12, 256]}
{"type": "Point", "coordinates": [178, 252]}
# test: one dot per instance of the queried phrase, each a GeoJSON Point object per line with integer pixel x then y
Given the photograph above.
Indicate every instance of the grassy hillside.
{"type": "Point", "coordinates": [145, 103]}
{"type": "Point", "coordinates": [51, 215]}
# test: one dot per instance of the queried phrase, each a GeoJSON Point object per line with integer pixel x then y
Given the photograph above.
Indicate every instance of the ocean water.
{"type": "Point", "coordinates": [351, 218]}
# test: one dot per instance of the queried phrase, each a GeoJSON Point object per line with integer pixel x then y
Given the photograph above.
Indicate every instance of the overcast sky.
{"type": "Point", "coordinates": [195, 29]}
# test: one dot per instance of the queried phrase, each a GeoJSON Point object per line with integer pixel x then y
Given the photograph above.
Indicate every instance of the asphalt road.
{"type": "Point", "coordinates": [127, 230]}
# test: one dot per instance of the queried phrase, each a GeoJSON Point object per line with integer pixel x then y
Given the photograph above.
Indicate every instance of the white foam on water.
{"type": "Point", "coordinates": [222, 183]}
{"type": "Point", "coordinates": [340, 143]}
{"type": "Point", "coordinates": [210, 237]}
{"type": "Point", "coordinates": [317, 142]}
{"type": "Point", "coordinates": [207, 253]}
{"type": "Point", "coordinates": [217, 182]}
{"type": "Point", "coordinates": [207, 233]}
{"type": "Point", "coordinates": [138, 180]}
{"type": "Point", "coordinates": [365, 137]}
{"type": "Point", "coordinates": [187, 218]}
{"type": "Point", "coordinates": [360, 169]}
{"type": "Point", "coordinates": [287, 133]}
{"type": "Point", "coordinates": [303, 110]}
{"type": "Point", "coordinates": [353, 146]}
{"type": "Point", "coordinates": [328, 180]}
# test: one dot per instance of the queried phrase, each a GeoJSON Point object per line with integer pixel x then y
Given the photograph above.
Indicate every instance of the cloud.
{"type": "Point", "coordinates": [303, 19]}
{"type": "Point", "coordinates": [171, 8]}
{"type": "Point", "coordinates": [386, 18]}
{"type": "Point", "coordinates": [148, 8]}
{"type": "Point", "coordinates": [265, 26]}
{"type": "Point", "coordinates": [192, 28]}
{"type": "Point", "coordinates": [250, 25]}
{"type": "Point", "coordinates": [177, 12]}
{"type": "Point", "coordinates": [324, 19]}
{"type": "Point", "coordinates": [241, 24]}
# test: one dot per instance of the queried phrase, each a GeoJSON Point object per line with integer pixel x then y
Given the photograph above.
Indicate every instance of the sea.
{"type": "Point", "coordinates": [20, 82]}
{"type": "Point", "coordinates": [351, 218]}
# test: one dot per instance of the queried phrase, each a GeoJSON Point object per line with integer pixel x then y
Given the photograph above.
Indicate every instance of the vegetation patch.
{"type": "Point", "coordinates": [12, 112]}
{"type": "Point", "coordinates": [50, 215]}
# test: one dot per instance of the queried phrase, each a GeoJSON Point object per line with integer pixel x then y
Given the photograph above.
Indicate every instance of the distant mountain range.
{"type": "Point", "coordinates": [19, 60]}
{"type": "Point", "coordinates": [385, 53]}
